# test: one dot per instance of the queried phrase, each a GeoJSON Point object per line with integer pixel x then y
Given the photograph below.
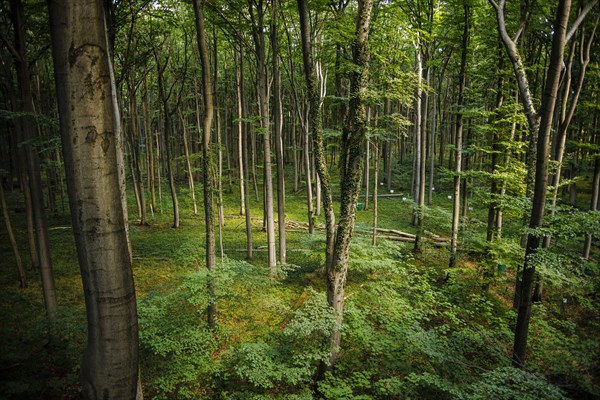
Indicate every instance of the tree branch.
{"type": "Point", "coordinates": [584, 12]}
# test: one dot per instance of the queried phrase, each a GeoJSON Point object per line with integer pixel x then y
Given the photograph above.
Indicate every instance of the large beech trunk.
{"type": "Point", "coordinates": [91, 137]}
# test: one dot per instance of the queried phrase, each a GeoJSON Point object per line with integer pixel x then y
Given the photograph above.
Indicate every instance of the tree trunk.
{"type": "Point", "coordinates": [207, 162]}
{"type": "Point", "coordinates": [166, 137]}
{"type": "Point", "coordinates": [421, 149]}
{"type": "Point", "coordinates": [459, 132]}
{"type": "Point", "coordinates": [91, 136]}
{"type": "Point", "coordinates": [151, 173]}
{"type": "Point", "coordinates": [314, 123]}
{"type": "Point", "coordinates": [245, 142]}
{"type": "Point", "coordinates": [308, 175]}
{"type": "Point", "coordinates": [262, 88]}
{"type": "Point", "coordinates": [541, 181]}
{"type": "Point", "coordinates": [567, 115]}
{"type": "Point", "coordinates": [26, 127]}
{"type": "Point", "coordinates": [188, 163]}
{"type": "Point", "coordinates": [593, 206]}
{"type": "Point", "coordinates": [367, 178]}
{"type": "Point", "coordinates": [494, 189]}
{"type": "Point", "coordinates": [432, 151]}
{"type": "Point", "coordinates": [351, 164]}
{"type": "Point", "coordinates": [136, 172]}
{"type": "Point", "coordinates": [11, 237]}
{"type": "Point", "coordinates": [277, 128]}
{"type": "Point", "coordinates": [240, 134]}
{"type": "Point", "coordinates": [217, 115]}
{"type": "Point", "coordinates": [375, 190]}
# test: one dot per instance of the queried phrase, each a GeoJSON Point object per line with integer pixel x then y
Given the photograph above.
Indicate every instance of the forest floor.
{"type": "Point", "coordinates": [408, 333]}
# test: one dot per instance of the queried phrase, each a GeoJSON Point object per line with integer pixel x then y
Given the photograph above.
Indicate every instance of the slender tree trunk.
{"type": "Point", "coordinates": [494, 189]}
{"type": "Point", "coordinates": [367, 178]}
{"type": "Point", "coordinates": [308, 175]}
{"type": "Point", "coordinates": [459, 133]}
{"type": "Point", "coordinates": [149, 149]}
{"type": "Point", "coordinates": [136, 172]}
{"type": "Point", "coordinates": [207, 162]}
{"type": "Point", "coordinates": [239, 65]}
{"type": "Point", "coordinates": [587, 246]}
{"type": "Point", "coordinates": [507, 157]}
{"type": "Point", "coordinates": [91, 136]}
{"type": "Point", "coordinates": [294, 151]}
{"type": "Point", "coordinates": [277, 128]}
{"type": "Point", "coordinates": [567, 115]}
{"type": "Point", "coordinates": [432, 151]}
{"type": "Point", "coordinates": [245, 165]}
{"type": "Point", "coordinates": [32, 162]}
{"type": "Point", "coordinates": [219, 180]}
{"type": "Point", "coordinates": [421, 149]}
{"type": "Point", "coordinates": [31, 234]}
{"type": "Point", "coordinates": [188, 163]}
{"type": "Point", "coordinates": [262, 89]}
{"type": "Point", "coordinates": [166, 137]}
{"type": "Point", "coordinates": [11, 237]}
{"type": "Point", "coordinates": [314, 123]}
{"type": "Point", "coordinates": [465, 181]}
{"type": "Point", "coordinates": [375, 190]}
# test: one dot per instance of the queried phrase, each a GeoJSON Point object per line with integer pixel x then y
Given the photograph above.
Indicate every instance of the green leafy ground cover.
{"type": "Point", "coordinates": [408, 333]}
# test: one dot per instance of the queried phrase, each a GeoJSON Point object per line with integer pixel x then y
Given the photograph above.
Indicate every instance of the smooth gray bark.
{"type": "Point", "coordinates": [91, 134]}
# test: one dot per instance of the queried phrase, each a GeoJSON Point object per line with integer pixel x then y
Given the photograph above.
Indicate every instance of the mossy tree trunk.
{"type": "Point", "coordinates": [207, 161]}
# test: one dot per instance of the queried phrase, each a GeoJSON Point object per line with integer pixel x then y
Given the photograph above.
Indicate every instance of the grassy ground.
{"type": "Point", "coordinates": [254, 310]}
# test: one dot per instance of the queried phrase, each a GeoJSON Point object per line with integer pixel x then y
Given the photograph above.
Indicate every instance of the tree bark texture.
{"type": "Point", "coordinates": [351, 164]}
{"type": "Point", "coordinates": [91, 137]}
{"type": "Point", "coordinates": [316, 127]}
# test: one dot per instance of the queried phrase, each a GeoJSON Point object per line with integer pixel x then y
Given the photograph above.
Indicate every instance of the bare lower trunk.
{"type": "Point", "coordinates": [91, 144]}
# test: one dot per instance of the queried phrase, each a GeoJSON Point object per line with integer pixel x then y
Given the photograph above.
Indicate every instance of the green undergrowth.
{"type": "Point", "coordinates": [412, 329]}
